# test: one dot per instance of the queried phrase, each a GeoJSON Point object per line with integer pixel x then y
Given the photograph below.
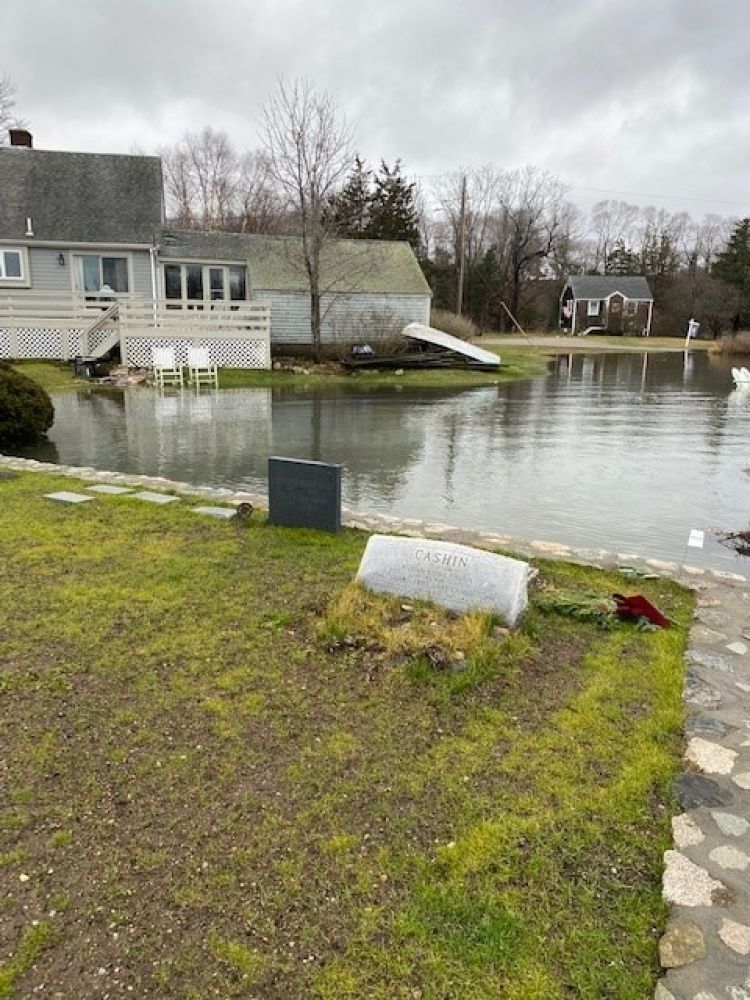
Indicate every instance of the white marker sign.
{"type": "Point", "coordinates": [695, 541]}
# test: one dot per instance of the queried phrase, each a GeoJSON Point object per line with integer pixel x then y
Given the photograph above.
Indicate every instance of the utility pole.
{"type": "Point", "coordinates": [461, 248]}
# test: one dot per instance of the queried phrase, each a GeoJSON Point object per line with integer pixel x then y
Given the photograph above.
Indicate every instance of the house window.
{"type": "Point", "coordinates": [594, 307]}
{"type": "Point", "coordinates": [93, 271]}
{"type": "Point", "coordinates": [205, 282]}
{"type": "Point", "coordinates": [631, 307]}
{"type": "Point", "coordinates": [11, 265]}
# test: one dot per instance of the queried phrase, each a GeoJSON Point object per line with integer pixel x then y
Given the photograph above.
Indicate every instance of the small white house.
{"type": "Point", "coordinates": [592, 303]}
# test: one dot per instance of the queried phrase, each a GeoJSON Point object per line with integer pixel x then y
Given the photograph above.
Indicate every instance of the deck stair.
{"type": "Point", "coordinates": [111, 341]}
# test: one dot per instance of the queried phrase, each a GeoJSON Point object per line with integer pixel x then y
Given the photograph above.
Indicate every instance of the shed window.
{"type": "Point", "coordinates": [11, 265]}
{"type": "Point", "coordinates": [594, 307]}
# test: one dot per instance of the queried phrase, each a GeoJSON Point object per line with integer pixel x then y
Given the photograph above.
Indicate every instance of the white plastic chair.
{"type": "Point", "coordinates": [200, 369]}
{"type": "Point", "coordinates": [165, 368]}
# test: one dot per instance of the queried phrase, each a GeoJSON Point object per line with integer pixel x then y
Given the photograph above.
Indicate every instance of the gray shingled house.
{"type": "Point", "coordinates": [610, 303]}
{"type": "Point", "coordinates": [83, 235]}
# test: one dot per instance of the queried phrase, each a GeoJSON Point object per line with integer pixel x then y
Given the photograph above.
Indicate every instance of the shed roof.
{"type": "Point", "coordinates": [79, 197]}
{"type": "Point", "coordinates": [595, 286]}
{"type": "Point", "coordinates": [275, 262]}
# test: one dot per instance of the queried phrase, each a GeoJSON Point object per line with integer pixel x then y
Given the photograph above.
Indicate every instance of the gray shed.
{"type": "Point", "coordinates": [371, 288]}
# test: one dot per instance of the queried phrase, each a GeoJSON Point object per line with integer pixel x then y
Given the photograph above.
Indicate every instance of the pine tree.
{"type": "Point", "coordinates": [620, 260]}
{"type": "Point", "coordinates": [350, 209]}
{"type": "Point", "coordinates": [733, 266]}
{"type": "Point", "coordinates": [393, 213]}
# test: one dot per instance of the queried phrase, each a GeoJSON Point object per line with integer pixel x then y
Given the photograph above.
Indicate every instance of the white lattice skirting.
{"type": "Point", "coordinates": [224, 352]}
{"type": "Point", "coordinates": [49, 344]}
{"type": "Point", "coordinates": [62, 345]}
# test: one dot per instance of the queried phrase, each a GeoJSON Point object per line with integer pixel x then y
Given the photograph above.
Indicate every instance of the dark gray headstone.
{"type": "Point", "coordinates": [304, 494]}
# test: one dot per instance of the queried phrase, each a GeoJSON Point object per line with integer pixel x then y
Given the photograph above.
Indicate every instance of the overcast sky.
{"type": "Point", "coordinates": [640, 98]}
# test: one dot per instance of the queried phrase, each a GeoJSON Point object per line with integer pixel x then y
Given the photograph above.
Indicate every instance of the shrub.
{"type": "Point", "coordinates": [457, 326]}
{"type": "Point", "coordinates": [734, 343]}
{"type": "Point", "coordinates": [25, 407]}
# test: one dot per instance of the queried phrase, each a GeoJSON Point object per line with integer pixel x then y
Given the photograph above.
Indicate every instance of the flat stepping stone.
{"type": "Point", "coordinates": [109, 490]}
{"type": "Point", "coordinates": [158, 498]}
{"type": "Point", "coordinates": [222, 513]}
{"type": "Point", "coordinates": [5, 474]}
{"type": "Point", "coordinates": [64, 496]}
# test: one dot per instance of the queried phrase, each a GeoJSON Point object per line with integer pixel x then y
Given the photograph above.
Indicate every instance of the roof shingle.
{"type": "Point", "coordinates": [80, 197]}
{"type": "Point", "coordinates": [275, 262]}
{"type": "Point", "coordinates": [596, 286]}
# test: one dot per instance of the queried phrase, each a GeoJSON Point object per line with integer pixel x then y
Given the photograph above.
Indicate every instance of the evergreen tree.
{"type": "Point", "coordinates": [620, 260]}
{"type": "Point", "coordinates": [393, 213]}
{"type": "Point", "coordinates": [733, 266]}
{"type": "Point", "coordinates": [350, 209]}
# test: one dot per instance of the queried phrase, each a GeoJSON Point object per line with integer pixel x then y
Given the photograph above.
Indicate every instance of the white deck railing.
{"type": "Point", "coordinates": [48, 325]}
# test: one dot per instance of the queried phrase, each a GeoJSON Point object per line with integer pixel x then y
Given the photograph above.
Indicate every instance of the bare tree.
{"type": "Point", "coordinates": [201, 175]}
{"type": "Point", "coordinates": [534, 218]}
{"type": "Point", "coordinates": [259, 208]}
{"type": "Point", "coordinates": [8, 117]}
{"type": "Point", "coordinates": [483, 187]}
{"type": "Point", "coordinates": [309, 155]}
{"type": "Point", "coordinates": [612, 222]}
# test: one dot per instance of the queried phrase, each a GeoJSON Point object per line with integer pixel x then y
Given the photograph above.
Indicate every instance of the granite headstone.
{"type": "Point", "coordinates": [454, 576]}
{"type": "Point", "coordinates": [304, 494]}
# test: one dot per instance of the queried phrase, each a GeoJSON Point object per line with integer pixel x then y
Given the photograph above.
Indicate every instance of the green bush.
{"type": "Point", "coordinates": [25, 407]}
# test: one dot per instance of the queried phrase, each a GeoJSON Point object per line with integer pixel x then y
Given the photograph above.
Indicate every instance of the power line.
{"type": "Point", "coordinates": [673, 197]}
{"type": "Point", "coordinates": [629, 194]}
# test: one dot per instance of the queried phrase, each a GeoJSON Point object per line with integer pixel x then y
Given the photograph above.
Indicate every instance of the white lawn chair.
{"type": "Point", "coordinates": [200, 369]}
{"type": "Point", "coordinates": [165, 368]}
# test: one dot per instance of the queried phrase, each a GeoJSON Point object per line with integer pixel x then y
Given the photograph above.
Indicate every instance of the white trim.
{"type": "Point", "coordinates": [24, 279]}
{"type": "Point", "coordinates": [205, 261]}
{"type": "Point", "coordinates": [63, 245]}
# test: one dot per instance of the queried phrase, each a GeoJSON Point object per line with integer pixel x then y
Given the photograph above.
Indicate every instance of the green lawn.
{"type": "Point", "coordinates": [519, 362]}
{"type": "Point", "coordinates": [228, 772]}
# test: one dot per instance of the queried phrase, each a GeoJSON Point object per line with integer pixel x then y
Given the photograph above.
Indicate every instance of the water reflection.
{"type": "Point", "coordinates": [620, 450]}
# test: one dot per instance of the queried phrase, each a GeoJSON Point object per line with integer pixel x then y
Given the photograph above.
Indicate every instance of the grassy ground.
{"type": "Point", "coordinates": [559, 343]}
{"type": "Point", "coordinates": [228, 772]}
{"type": "Point", "coordinates": [519, 362]}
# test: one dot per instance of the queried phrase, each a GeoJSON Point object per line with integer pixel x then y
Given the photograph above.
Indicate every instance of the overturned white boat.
{"type": "Point", "coordinates": [741, 376]}
{"type": "Point", "coordinates": [423, 346]}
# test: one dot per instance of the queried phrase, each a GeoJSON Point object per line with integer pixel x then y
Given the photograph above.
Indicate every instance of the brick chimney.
{"type": "Point", "coordinates": [20, 137]}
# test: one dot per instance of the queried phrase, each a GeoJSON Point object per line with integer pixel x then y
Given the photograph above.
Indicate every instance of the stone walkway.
{"type": "Point", "coordinates": [705, 949]}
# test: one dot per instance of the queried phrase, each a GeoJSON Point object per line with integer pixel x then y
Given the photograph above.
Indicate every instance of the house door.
{"type": "Point", "coordinates": [614, 317]}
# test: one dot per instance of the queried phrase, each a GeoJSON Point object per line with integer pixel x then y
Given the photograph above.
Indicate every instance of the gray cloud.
{"type": "Point", "coordinates": [640, 97]}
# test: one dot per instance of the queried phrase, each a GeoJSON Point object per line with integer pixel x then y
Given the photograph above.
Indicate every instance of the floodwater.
{"type": "Point", "coordinates": [620, 451]}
